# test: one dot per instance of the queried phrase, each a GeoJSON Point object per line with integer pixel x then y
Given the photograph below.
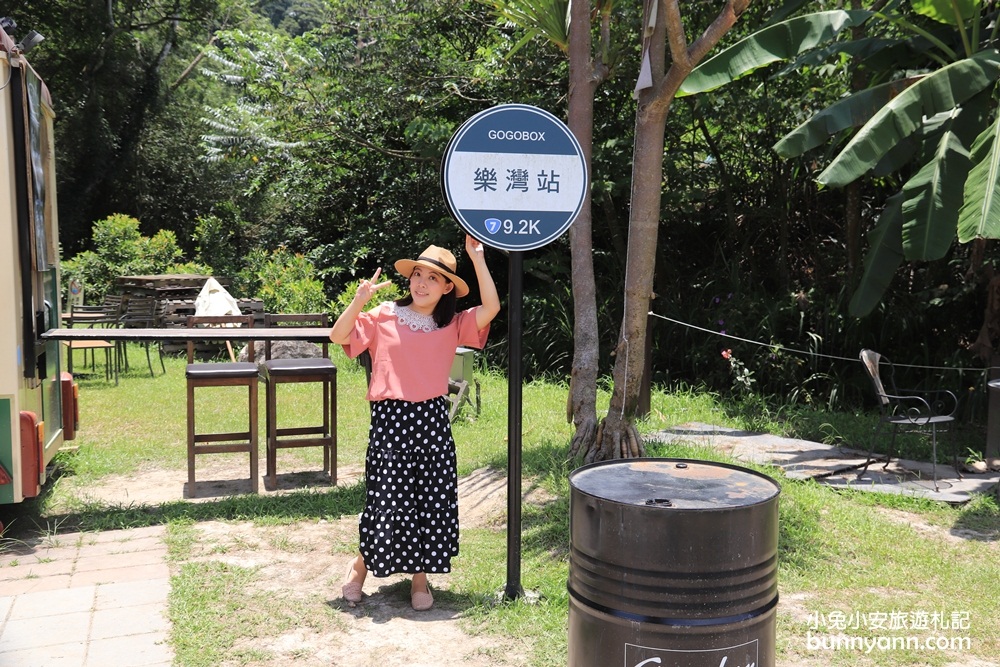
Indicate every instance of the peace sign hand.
{"type": "Point", "coordinates": [367, 288]}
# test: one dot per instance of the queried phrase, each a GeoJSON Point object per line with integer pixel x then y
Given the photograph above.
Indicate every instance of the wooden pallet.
{"type": "Point", "coordinates": [188, 283]}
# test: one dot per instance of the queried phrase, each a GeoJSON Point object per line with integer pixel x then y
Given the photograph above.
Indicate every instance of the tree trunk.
{"type": "Point", "coordinates": [852, 233]}
{"type": "Point", "coordinates": [852, 200]}
{"type": "Point", "coordinates": [617, 435]}
{"type": "Point", "coordinates": [584, 78]}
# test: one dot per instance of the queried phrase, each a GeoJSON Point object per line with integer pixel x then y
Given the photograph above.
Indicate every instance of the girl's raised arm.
{"type": "Point", "coordinates": [341, 331]}
{"type": "Point", "coordinates": [487, 289]}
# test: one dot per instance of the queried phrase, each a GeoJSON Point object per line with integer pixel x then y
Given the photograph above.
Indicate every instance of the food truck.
{"type": "Point", "coordinates": [38, 401]}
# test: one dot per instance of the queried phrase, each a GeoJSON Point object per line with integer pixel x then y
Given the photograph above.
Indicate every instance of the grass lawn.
{"type": "Point", "coordinates": [851, 564]}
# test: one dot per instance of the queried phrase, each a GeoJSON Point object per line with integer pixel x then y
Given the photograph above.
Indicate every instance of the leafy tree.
{"type": "Point", "coordinates": [320, 126]}
{"type": "Point", "coordinates": [223, 242]}
{"type": "Point", "coordinates": [927, 120]}
{"type": "Point", "coordinates": [126, 102]}
{"type": "Point", "coordinates": [568, 26]}
{"type": "Point", "coordinates": [340, 131]}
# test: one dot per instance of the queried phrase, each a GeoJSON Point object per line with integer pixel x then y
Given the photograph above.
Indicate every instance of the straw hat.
{"type": "Point", "coordinates": [435, 259]}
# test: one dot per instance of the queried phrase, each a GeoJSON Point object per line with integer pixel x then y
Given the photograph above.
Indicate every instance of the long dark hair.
{"type": "Point", "coordinates": [444, 311]}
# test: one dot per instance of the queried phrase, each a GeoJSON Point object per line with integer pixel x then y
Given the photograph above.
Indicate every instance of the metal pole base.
{"type": "Point", "coordinates": [509, 594]}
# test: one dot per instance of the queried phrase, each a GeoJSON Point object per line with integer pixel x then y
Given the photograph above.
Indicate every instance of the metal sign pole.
{"type": "Point", "coordinates": [513, 589]}
{"type": "Point", "coordinates": [515, 178]}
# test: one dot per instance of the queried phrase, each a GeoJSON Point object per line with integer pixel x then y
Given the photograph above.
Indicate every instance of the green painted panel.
{"type": "Point", "coordinates": [7, 451]}
{"type": "Point", "coordinates": [51, 389]}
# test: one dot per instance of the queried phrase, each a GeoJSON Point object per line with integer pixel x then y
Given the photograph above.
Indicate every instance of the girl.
{"type": "Point", "coordinates": [410, 520]}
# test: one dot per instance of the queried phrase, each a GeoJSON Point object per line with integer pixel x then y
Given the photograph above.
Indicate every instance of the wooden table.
{"type": "Point", "coordinates": [218, 334]}
{"type": "Point", "coordinates": [184, 334]}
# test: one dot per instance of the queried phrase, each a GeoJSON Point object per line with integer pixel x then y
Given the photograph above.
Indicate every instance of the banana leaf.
{"type": "Point", "coordinates": [900, 155]}
{"type": "Point", "coordinates": [775, 43]}
{"type": "Point", "coordinates": [866, 48]}
{"type": "Point", "coordinates": [883, 258]}
{"type": "Point", "coordinates": [932, 198]}
{"type": "Point", "coordinates": [902, 116]}
{"type": "Point", "coordinates": [980, 214]}
{"type": "Point", "coordinates": [853, 111]}
{"type": "Point", "coordinates": [943, 11]}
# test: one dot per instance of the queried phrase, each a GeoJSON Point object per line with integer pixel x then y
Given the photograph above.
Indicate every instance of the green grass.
{"type": "Point", "coordinates": [839, 552]}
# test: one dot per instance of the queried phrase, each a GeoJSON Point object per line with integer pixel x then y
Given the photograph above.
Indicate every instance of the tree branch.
{"type": "Point", "coordinates": [194, 63]}
{"type": "Point", "coordinates": [720, 26]}
{"type": "Point", "coordinates": [667, 87]}
{"type": "Point", "coordinates": [676, 38]}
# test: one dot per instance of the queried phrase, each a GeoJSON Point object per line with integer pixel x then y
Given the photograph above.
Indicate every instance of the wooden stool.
{"type": "Point", "coordinates": [279, 371]}
{"type": "Point", "coordinates": [221, 374]}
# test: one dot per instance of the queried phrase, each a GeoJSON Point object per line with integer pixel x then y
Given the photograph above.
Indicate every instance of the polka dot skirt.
{"type": "Point", "coordinates": [410, 520]}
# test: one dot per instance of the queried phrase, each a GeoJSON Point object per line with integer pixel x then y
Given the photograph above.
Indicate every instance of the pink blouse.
{"type": "Point", "coordinates": [406, 364]}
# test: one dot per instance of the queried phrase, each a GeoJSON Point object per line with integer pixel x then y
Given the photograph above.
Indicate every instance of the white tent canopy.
{"type": "Point", "coordinates": [214, 300]}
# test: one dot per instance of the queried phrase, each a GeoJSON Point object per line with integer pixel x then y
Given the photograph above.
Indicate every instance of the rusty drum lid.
{"type": "Point", "coordinates": [674, 483]}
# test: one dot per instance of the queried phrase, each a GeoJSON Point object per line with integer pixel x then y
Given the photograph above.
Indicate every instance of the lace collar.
{"type": "Point", "coordinates": [414, 320]}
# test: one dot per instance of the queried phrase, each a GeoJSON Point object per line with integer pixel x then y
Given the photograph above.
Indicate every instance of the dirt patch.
{"type": "Point", "coordinates": [213, 480]}
{"type": "Point", "coordinates": [953, 534]}
{"type": "Point", "coordinates": [482, 494]}
{"type": "Point", "coordinates": [299, 568]}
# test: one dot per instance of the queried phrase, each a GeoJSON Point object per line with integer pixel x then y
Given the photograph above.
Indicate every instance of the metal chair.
{"type": "Point", "coordinates": [91, 316]}
{"type": "Point", "coordinates": [284, 371]}
{"type": "Point", "coordinates": [113, 302]}
{"type": "Point", "coordinates": [460, 381]}
{"type": "Point", "coordinates": [139, 312]}
{"type": "Point", "coordinates": [927, 412]}
{"type": "Point", "coordinates": [221, 374]}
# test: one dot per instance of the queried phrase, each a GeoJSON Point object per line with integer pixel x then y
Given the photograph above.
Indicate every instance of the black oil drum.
{"type": "Point", "coordinates": [673, 563]}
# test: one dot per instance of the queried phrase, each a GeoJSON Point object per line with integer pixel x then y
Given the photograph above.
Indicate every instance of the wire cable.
{"type": "Point", "coordinates": [782, 348]}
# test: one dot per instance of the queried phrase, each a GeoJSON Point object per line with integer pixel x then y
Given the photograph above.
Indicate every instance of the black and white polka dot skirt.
{"type": "Point", "coordinates": [410, 520]}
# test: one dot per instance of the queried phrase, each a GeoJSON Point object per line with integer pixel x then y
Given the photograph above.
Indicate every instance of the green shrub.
{"type": "Point", "coordinates": [222, 242]}
{"type": "Point", "coordinates": [288, 283]}
{"type": "Point", "coordinates": [119, 249]}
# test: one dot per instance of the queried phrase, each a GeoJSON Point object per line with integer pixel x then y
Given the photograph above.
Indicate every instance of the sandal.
{"type": "Point", "coordinates": [421, 600]}
{"type": "Point", "coordinates": [351, 589]}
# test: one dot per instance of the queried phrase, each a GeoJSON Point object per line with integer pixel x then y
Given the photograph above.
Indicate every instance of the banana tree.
{"type": "Point", "coordinates": [929, 116]}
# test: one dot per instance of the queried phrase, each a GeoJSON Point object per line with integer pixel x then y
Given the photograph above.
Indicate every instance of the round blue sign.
{"type": "Point", "coordinates": [514, 177]}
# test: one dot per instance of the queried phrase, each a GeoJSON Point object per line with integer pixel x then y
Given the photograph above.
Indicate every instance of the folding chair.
{"type": "Point", "coordinates": [91, 316]}
{"type": "Point", "coordinates": [927, 412]}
